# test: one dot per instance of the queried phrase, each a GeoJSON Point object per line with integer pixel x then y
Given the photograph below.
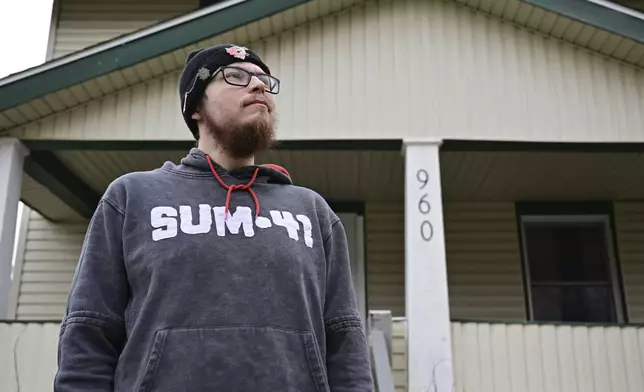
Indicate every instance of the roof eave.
{"type": "Point", "coordinates": [135, 48]}
{"type": "Point", "coordinates": [601, 14]}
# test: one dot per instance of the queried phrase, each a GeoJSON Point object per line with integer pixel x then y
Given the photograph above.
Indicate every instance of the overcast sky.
{"type": "Point", "coordinates": [24, 29]}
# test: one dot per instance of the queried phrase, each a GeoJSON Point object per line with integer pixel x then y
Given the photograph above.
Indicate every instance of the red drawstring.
{"type": "Point", "coordinates": [278, 168]}
{"type": "Point", "coordinates": [232, 188]}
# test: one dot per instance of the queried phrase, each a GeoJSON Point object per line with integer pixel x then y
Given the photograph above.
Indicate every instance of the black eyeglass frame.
{"type": "Point", "coordinates": [256, 74]}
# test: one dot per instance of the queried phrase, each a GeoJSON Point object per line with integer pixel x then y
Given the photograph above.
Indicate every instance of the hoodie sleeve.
{"type": "Point", "coordinates": [93, 332]}
{"type": "Point", "coordinates": [348, 360]}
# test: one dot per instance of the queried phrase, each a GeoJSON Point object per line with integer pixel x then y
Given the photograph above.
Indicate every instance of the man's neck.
{"type": "Point", "coordinates": [221, 158]}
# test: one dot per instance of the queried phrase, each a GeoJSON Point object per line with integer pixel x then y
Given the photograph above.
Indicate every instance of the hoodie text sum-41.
{"type": "Point", "coordinates": [184, 284]}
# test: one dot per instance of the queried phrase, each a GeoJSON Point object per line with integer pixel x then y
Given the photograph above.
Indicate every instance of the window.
{"type": "Point", "coordinates": [570, 268]}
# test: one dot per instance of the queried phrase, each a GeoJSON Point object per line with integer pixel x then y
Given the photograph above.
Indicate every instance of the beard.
{"type": "Point", "coordinates": [242, 140]}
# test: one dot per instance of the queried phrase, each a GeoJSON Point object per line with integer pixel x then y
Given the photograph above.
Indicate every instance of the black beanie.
{"type": "Point", "coordinates": [198, 70]}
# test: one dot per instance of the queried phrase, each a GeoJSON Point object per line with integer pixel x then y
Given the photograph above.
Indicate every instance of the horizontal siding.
{"type": "Point", "coordinates": [84, 23]}
{"type": "Point", "coordinates": [50, 257]}
{"type": "Point", "coordinates": [629, 227]}
{"type": "Point", "coordinates": [483, 260]}
{"type": "Point", "coordinates": [385, 262]}
{"type": "Point", "coordinates": [454, 73]}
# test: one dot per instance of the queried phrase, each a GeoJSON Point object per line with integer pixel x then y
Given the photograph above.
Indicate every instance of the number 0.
{"type": "Point", "coordinates": [426, 231]}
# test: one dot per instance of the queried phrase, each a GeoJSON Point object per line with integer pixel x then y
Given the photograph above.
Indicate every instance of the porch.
{"type": "Point", "coordinates": [520, 325]}
{"type": "Point", "coordinates": [487, 356]}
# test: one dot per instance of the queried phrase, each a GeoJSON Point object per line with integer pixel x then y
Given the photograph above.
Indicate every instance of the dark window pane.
{"type": "Point", "coordinates": [573, 303]}
{"type": "Point", "coordinates": [562, 252]}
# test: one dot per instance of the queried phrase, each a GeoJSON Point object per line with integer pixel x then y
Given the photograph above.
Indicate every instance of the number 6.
{"type": "Point", "coordinates": [422, 202]}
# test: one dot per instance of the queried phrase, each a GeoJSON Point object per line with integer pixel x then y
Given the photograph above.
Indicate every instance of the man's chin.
{"type": "Point", "coordinates": [257, 115]}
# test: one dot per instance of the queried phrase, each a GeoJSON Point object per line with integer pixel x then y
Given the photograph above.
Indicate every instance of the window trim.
{"type": "Point", "coordinates": [573, 216]}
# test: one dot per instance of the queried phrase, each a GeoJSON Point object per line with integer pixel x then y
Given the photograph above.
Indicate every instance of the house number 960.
{"type": "Point", "coordinates": [426, 228]}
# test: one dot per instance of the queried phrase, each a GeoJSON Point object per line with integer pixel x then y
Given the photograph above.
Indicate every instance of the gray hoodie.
{"type": "Point", "coordinates": [191, 280]}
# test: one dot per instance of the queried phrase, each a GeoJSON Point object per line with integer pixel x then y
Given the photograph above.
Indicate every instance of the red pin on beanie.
{"type": "Point", "coordinates": [237, 51]}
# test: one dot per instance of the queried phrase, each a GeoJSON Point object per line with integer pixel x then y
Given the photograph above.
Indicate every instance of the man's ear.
{"type": "Point", "coordinates": [196, 115]}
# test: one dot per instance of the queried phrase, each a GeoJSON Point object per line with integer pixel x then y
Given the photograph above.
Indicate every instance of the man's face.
{"type": "Point", "coordinates": [240, 119]}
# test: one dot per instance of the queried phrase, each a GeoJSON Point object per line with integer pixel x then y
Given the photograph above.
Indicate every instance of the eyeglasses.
{"type": "Point", "coordinates": [240, 77]}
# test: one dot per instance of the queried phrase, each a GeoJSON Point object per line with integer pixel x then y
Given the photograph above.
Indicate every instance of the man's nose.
{"type": "Point", "coordinates": [256, 85]}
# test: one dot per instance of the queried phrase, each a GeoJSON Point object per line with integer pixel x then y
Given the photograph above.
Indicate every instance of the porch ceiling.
{"type": "Point", "coordinates": [375, 175]}
{"type": "Point", "coordinates": [336, 175]}
{"type": "Point", "coordinates": [45, 202]}
{"type": "Point", "coordinates": [543, 176]}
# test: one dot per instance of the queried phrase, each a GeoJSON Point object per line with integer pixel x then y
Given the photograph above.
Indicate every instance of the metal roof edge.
{"type": "Point", "coordinates": [134, 48]}
{"type": "Point", "coordinates": [601, 14]}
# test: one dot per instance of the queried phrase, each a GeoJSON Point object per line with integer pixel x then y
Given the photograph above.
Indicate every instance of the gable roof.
{"type": "Point", "coordinates": [69, 81]}
{"type": "Point", "coordinates": [134, 48]}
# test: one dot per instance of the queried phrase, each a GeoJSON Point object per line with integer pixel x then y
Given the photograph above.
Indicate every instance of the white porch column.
{"type": "Point", "coordinates": [12, 157]}
{"type": "Point", "coordinates": [429, 350]}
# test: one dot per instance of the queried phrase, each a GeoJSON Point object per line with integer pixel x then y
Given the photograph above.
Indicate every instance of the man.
{"type": "Point", "coordinates": [215, 274]}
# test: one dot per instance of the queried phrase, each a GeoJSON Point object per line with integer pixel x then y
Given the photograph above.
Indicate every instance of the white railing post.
{"type": "Point", "coordinates": [380, 339]}
{"type": "Point", "coordinates": [12, 157]}
{"type": "Point", "coordinates": [382, 320]}
{"type": "Point", "coordinates": [429, 351]}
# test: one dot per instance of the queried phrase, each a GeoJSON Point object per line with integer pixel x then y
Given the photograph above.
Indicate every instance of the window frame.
{"type": "Point", "coordinates": [539, 213]}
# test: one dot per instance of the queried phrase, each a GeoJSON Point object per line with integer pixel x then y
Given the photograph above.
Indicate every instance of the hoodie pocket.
{"type": "Point", "coordinates": [236, 358]}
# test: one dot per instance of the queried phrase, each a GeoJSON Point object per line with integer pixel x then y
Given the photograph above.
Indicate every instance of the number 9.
{"type": "Point", "coordinates": [423, 177]}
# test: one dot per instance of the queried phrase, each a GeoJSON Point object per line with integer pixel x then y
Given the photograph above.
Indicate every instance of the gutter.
{"type": "Point", "coordinates": [601, 14]}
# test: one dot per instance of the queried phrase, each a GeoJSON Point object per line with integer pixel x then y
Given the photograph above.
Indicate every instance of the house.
{"type": "Point", "coordinates": [485, 157]}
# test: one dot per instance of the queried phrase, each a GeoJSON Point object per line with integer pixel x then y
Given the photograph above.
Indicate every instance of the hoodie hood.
{"type": "Point", "coordinates": [198, 163]}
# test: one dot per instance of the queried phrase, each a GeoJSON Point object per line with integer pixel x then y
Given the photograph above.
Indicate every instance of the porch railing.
{"type": "Point", "coordinates": [499, 357]}
{"type": "Point", "coordinates": [380, 339]}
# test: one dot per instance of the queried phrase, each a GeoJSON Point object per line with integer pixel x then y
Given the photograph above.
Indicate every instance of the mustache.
{"type": "Point", "coordinates": [252, 100]}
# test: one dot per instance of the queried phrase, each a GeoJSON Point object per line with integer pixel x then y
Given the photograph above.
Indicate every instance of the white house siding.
{"type": "Point", "coordinates": [553, 358]}
{"type": "Point", "coordinates": [483, 260]}
{"type": "Point", "coordinates": [629, 227]}
{"type": "Point", "coordinates": [534, 358]}
{"type": "Point", "coordinates": [50, 257]}
{"type": "Point", "coordinates": [409, 68]}
{"type": "Point", "coordinates": [84, 23]}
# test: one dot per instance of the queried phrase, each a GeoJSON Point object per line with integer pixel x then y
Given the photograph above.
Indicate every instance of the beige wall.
{"type": "Point", "coordinates": [83, 23]}
{"type": "Point", "coordinates": [393, 69]}
{"type": "Point", "coordinates": [629, 227]}
{"type": "Point", "coordinates": [50, 255]}
{"type": "Point", "coordinates": [483, 261]}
